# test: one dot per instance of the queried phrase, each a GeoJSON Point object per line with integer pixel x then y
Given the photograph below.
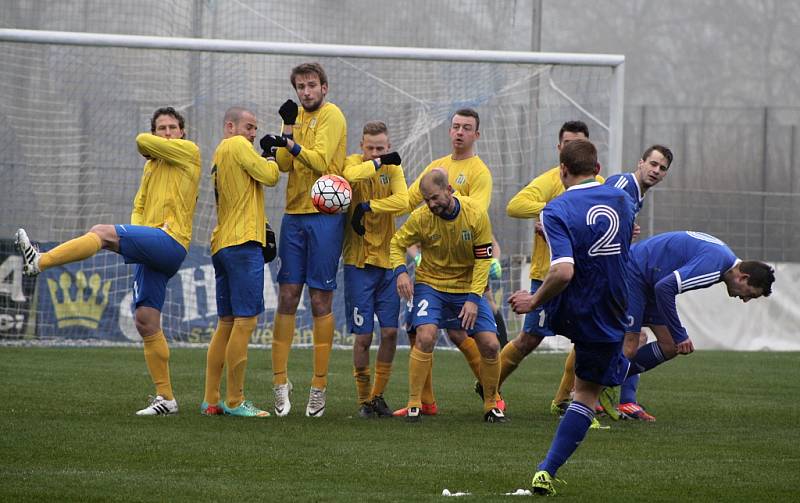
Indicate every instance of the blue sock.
{"type": "Point", "coordinates": [647, 357]}
{"type": "Point", "coordinates": [629, 387]}
{"type": "Point", "coordinates": [571, 431]}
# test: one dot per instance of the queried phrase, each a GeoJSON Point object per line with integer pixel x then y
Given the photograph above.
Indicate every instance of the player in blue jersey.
{"type": "Point", "coordinates": [668, 264]}
{"type": "Point", "coordinates": [650, 171]}
{"type": "Point", "coordinates": [589, 230]}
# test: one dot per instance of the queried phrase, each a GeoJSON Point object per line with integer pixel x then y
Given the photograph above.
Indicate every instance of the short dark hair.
{"type": "Point", "coordinates": [469, 112]}
{"type": "Point", "coordinates": [760, 275]}
{"type": "Point", "coordinates": [309, 68]}
{"type": "Point", "coordinates": [666, 152]}
{"type": "Point", "coordinates": [166, 111]}
{"type": "Point", "coordinates": [374, 128]}
{"type": "Point", "coordinates": [580, 157]}
{"type": "Point", "coordinates": [573, 127]}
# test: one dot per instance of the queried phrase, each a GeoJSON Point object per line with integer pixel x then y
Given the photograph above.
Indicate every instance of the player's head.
{"type": "Point", "coordinates": [374, 140]}
{"type": "Point", "coordinates": [168, 123]}
{"type": "Point", "coordinates": [653, 165]}
{"type": "Point", "coordinates": [749, 280]}
{"type": "Point", "coordinates": [240, 121]}
{"type": "Point", "coordinates": [437, 192]}
{"type": "Point", "coordinates": [578, 160]}
{"type": "Point", "coordinates": [311, 85]}
{"type": "Point", "coordinates": [572, 130]}
{"type": "Point", "coordinates": [464, 130]}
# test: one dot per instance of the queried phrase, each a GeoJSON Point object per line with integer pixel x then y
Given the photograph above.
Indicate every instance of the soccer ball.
{"type": "Point", "coordinates": [331, 194]}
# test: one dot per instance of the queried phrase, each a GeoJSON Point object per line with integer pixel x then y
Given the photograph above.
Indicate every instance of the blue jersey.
{"type": "Point", "coordinates": [590, 226]}
{"type": "Point", "coordinates": [675, 262]}
{"type": "Point", "coordinates": [628, 183]}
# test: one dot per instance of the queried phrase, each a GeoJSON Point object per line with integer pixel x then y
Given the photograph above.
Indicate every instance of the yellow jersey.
{"type": "Point", "coordinates": [529, 203]}
{"type": "Point", "coordinates": [322, 138]}
{"type": "Point", "coordinates": [167, 193]}
{"type": "Point", "coordinates": [238, 174]}
{"type": "Point", "coordinates": [386, 191]}
{"type": "Point", "coordinates": [456, 254]}
{"type": "Point", "coordinates": [469, 177]}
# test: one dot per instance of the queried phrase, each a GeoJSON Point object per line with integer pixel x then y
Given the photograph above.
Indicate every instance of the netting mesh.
{"type": "Point", "coordinates": [70, 115]}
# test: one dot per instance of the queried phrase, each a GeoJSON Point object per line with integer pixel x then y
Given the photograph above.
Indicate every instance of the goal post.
{"type": "Point", "coordinates": [90, 93]}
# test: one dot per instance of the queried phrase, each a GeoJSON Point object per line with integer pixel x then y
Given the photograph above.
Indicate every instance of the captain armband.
{"type": "Point", "coordinates": [483, 251]}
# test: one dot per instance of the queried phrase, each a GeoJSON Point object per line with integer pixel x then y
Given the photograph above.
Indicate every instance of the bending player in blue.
{"type": "Point", "coordinates": [589, 229]}
{"type": "Point", "coordinates": [668, 264]}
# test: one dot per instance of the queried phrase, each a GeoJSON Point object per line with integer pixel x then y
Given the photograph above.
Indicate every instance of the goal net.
{"type": "Point", "coordinates": [69, 114]}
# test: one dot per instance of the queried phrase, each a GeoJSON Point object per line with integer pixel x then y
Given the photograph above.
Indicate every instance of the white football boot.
{"type": "Point", "coordinates": [316, 402]}
{"type": "Point", "coordinates": [159, 406]}
{"type": "Point", "coordinates": [282, 403]}
{"type": "Point", "coordinates": [30, 254]}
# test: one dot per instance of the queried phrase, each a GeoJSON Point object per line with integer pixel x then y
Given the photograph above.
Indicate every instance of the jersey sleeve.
{"type": "Point", "coordinates": [556, 233]}
{"type": "Point", "coordinates": [404, 237]}
{"type": "Point", "coordinates": [175, 152]}
{"type": "Point", "coordinates": [414, 195]}
{"type": "Point", "coordinates": [480, 190]}
{"type": "Point", "coordinates": [260, 169]}
{"type": "Point", "coordinates": [356, 170]}
{"type": "Point", "coordinates": [331, 128]}
{"type": "Point", "coordinates": [398, 201]}
{"type": "Point", "coordinates": [665, 291]}
{"type": "Point", "coordinates": [483, 253]}
{"type": "Point", "coordinates": [530, 201]}
{"type": "Point", "coordinates": [137, 214]}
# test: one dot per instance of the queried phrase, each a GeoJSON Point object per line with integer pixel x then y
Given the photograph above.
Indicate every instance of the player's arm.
{"type": "Point", "coordinates": [262, 170]}
{"type": "Point", "coordinates": [284, 159]}
{"type": "Point", "coordinates": [414, 194]}
{"type": "Point", "coordinates": [330, 130]}
{"type": "Point", "coordinates": [398, 201]}
{"type": "Point", "coordinates": [530, 201]}
{"type": "Point", "coordinates": [137, 215]}
{"type": "Point", "coordinates": [665, 291]}
{"type": "Point", "coordinates": [405, 236]}
{"type": "Point", "coordinates": [482, 252]}
{"type": "Point", "coordinates": [562, 267]}
{"type": "Point", "coordinates": [174, 151]}
{"type": "Point", "coordinates": [480, 189]}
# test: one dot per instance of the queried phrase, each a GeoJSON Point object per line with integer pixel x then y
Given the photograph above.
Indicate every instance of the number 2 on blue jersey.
{"type": "Point", "coordinates": [605, 244]}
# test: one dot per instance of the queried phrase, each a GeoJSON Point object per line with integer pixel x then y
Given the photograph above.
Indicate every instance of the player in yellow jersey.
{"type": "Point", "coordinates": [469, 176]}
{"type": "Point", "coordinates": [237, 244]}
{"type": "Point", "coordinates": [157, 240]}
{"type": "Point", "coordinates": [313, 144]}
{"type": "Point", "coordinates": [455, 236]}
{"type": "Point", "coordinates": [379, 192]}
{"type": "Point", "coordinates": [529, 203]}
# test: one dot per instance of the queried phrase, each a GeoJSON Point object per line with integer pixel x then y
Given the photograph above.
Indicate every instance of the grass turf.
{"type": "Point", "coordinates": [726, 430]}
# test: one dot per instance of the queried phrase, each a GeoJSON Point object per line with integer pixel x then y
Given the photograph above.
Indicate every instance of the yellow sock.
{"type": "Point", "coordinates": [490, 375]}
{"type": "Point", "coordinates": [73, 250]}
{"type": "Point", "coordinates": [215, 361]}
{"type": "Point", "coordinates": [236, 359]}
{"type": "Point", "coordinates": [383, 370]}
{"type": "Point", "coordinates": [156, 355]}
{"type": "Point", "coordinates": [281, 343]}
{"type": "Point", "coordinates": [567, 379]}
{"type": "Point", "coordinates": [362, 383]}
{"type": "Point", "coordinates": [419, 366]}
{"type": "Point", "coordinates": [323, 341]}
{"type": "Point", "coordinates": [469, 348]}
{"type": "Point", "coordinates": [510, 357]}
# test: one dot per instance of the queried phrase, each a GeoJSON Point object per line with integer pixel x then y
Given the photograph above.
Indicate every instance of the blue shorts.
{"type": "Point", "coordinates": [239, 271]}
{"type": "Point", "coordinates": [537, 322]}
{"type": "Point", "coordinates": [642, 307]}
{"type": "Point", "coordinates": [309, 248]}
{"type": "Point", "coordinates": [432, 307]}
{"type": "Point", "coordinates": [157, 257]}
{"type": "Point", "coordinates": [368, 292]}
{"type": "Point", "coordinates": [601, 362]}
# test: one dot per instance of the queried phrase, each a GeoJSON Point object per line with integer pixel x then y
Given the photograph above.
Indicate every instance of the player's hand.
{"type": "Point", "coordinates": [521, 302]}
{"type": "Point", "coordinates": [269, 143]}
{"type": "Point", "coordinates": [539, 228]}
{"type": "Point", "coordinates": [495, 270]}
{"type": "Point", "coordinates": [404, 287]}
{"type": "Point", "coordinates": [637, 231]}
{"type": "Point", "coordinates": [288, 112]}
{"type": "Point", "coordinates": [468, 315]}
{"type": "Point", "coordinates": [685, 347]}
{"type": "Point", "coordinates": [390, 158]}
{"type": "Point", "coordinates": [358, 216]}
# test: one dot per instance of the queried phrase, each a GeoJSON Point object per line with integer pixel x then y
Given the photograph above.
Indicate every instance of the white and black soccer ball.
{"type": "Point", "coordinates": [331, 194]}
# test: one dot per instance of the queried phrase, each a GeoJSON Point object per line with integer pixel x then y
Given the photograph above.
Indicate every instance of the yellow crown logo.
{"type": "Point", "coordinates": [83, 309]}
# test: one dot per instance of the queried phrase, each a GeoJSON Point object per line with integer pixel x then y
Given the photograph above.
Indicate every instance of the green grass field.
{"type": "Point", "coordinates": [727, 430]}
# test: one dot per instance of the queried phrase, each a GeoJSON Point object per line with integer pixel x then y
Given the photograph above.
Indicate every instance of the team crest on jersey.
{"type": "Point", "coordinates": [466, 235]}
{"type": "Point", "coordinates": [312, 123]}
{"type": "Point", "coordinates": [435, 237]}
{"type": "Point", "coordinates": [461, 179]}
{"type": "Point", "coordinates": [384, 179]}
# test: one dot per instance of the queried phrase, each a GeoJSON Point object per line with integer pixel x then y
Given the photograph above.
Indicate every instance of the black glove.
{"type": "Point", "coordinates": [270, 142]}
{"type": "Point", "coordinates": [390, 158]}
{"type": "Point", "coordinates": [270, 250]}
{"type": "Point", "coordinates": [288, 112]}
{"type": "Point", "coordinates": [358, 216]}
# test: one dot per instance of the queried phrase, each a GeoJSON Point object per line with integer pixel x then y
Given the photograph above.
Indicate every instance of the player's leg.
{"type": "Point", "coordinates": [628, 403]}
{"type": "Point", "coordinates": [484, 333]}
{"type": "Point", "coordinates": [563, 395]}
{"type": "Point", "coordinates": [535, 328]}
{"type": "Point", "coordinates": [427, 318]}
{"type": "Point", "coordinates": [215, 356]}
{"type": "Point", "coordinates": [655, 353]}
{"type": "Point", "coordinates": [245, 266]}
{"type": "Point", "coordinates": [387, 309]}
{"type": "Point", "coordinates": [359, 300]}
{"type": "Point", "coordinates": [76, 249]}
